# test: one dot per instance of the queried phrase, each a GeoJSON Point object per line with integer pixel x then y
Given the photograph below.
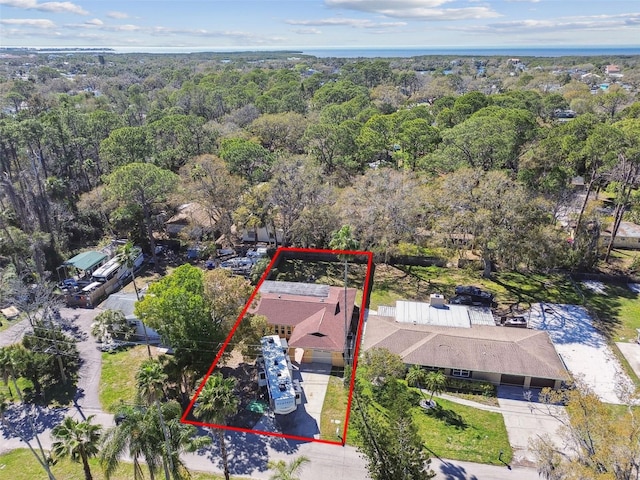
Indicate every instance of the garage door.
{"type": "Point", "coordinates": [322, 356]}
{"type": "Point", "coordinates": [542, 382]}
{"type": "Point", "coordinates": [512, 379]}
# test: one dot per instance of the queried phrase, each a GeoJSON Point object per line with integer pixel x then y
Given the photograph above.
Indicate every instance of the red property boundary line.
{"type": "Point", "coordinates": [365, 296]}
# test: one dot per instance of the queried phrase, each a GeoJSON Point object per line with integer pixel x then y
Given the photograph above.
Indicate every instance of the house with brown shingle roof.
{"type": "Point", "coordinates": [496, 354]}
{"type": "Point", "coordinates": [315, 319]}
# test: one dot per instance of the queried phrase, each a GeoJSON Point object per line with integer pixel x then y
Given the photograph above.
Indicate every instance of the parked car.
{"type": "Point", "coordinates": [477, 295]}
{"type": "Point", "coordinates": [461, 300]}
{"type": "Point", "coordinates": [518, 322]}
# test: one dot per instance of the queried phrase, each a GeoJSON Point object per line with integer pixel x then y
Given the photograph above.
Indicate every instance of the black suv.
{"type": "Point", "coordinates": [476, 295]}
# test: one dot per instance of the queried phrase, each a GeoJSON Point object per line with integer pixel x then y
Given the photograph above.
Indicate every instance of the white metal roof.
{"type": "Point", "coordinates": [424, 314]}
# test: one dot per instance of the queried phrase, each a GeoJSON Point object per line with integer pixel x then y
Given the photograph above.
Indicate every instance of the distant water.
{"type": "Point", "coordinates": [479, 52]}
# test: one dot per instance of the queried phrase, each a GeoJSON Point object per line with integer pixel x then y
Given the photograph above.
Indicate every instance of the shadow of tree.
{"type": "Point", "coordinates": [20, 426]}
{"type": "Point", "coordinates": [449, 417]}
{"type": "Point", "coordinates": [451, 471]}
{"type": "Point", "coordinates": [605, 309]}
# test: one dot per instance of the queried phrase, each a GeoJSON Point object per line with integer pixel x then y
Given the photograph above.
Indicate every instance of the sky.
{"type": "Point", "coordinates": [145, 25]}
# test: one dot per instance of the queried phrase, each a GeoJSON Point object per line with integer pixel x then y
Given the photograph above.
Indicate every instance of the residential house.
{"type": "Point", "coordinates": [125, 303]}
{"type": "Point", "coordinates": [612, 69]}
{"type": "Point", "coordinates": [315, 319]}
{"type": "Point", "coordinates": [194, 218]}
{"type": "Point", "coordinates": [628, 236]}
{"type": "Point", "coordinates": [465, 342]}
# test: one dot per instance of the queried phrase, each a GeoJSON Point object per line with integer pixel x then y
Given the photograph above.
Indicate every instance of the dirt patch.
{"type": "Point", "coordinates": [247, 388]}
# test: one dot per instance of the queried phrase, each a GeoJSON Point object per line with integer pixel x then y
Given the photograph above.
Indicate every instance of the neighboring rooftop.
{"type": "Point", "coordinates": [482, 348]}
{"type": "Point", "coordinates": [86, 260]}
{"type": "Point", "coordinates": [420, 313]}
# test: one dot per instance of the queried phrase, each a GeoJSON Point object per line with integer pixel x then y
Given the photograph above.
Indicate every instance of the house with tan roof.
{"type": "Point", "coordinates": [441, 337]}
{"type": "Point", "coordinates": [316, 320]}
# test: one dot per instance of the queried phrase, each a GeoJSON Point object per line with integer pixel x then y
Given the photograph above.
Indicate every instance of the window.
{"type": "Point", "coordinates": [288, 330]}
{"type": "Point", "coordinates": [456, 372]}
{"type": "Point", "coordinates": [282, 329]}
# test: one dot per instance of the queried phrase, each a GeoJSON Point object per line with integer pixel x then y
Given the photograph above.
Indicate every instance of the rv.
{"type": "Point", "coordinates": [114, 269]}
{"type": "Point", "coordinates": [274, 372]}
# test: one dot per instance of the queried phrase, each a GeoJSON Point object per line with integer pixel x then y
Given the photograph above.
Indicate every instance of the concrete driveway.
{"type": "Point", "coordinates": [526, 419]}
{"type": "Point", "coordinates": [582, 348]}
{"type": "Point", "coordinates": [305, 421]}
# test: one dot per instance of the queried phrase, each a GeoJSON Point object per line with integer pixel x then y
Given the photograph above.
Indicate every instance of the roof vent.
{"type": "Point", "coordinates": [436, 300]}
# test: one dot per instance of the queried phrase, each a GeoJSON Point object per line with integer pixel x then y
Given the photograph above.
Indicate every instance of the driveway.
{"type": "Point", "coordinates": [526, 419]}
{"type": "Point", "coordinates": [305, 421]}
{"type": "Point", "coordinates": [582, 348]}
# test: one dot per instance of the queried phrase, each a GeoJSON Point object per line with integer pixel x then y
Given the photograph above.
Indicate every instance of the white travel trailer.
{"type": "Point", "coordinates": [274, 371]}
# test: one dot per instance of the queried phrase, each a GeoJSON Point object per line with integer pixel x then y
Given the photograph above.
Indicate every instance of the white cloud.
{"type": "Point", "coordinates": [308, 31]}
{"type": "Point", "coordinates": [118, 15]}
{"type": "Point", "coordinates": [378, 5]}
{"type": "Point", "coordinates": [29, 22]}
{"type": "Point", "coordinates": [425, 10]}
{"type": "Point", "coordinates": [61, 7]}
{"type": "Point", "coordinates": [27, 4]}
{"type": "Point", "coordinates": [55, 7]}
{"type": "Point", "coordinates": [348, 22]}
{"type": "Point", "coordinates": [595, 22]}
{"type": "Point", "coordinates": [94, 21]}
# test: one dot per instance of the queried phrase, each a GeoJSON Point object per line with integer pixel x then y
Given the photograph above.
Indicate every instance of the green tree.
{"type": "Point", "coordinates": [343, 240]}
{"type": "Point", "coordinates": [390, 444]}
{"type": "Point", "coordinates": [207, 180]}
{"type": "Point", "coordinates": [597, 442]}
{"type": "Point", "coordinates": [217, 402]}
{"type": "Point", "coordinates": [127, 255]}
{"type": "Point", "coordinates": [416, 377]}
{"type": "Point", "coordinates": [134, 436]}
{"type": "Point", "coordinates": [287, 471]}
{"type": "Point", "coordinates": [125, 145]}
{"type": "Point", "coordinates": [111, 324]}
{"type": "Point", "coordinates": [435, 382]}
{"type": "Point", "coordinates": [382, 365]}
{"type": "Point", "coordinates": [13, 359]}
{"type": "Point", "coordinates": [176, 307]}
{"type": "Point", "coordinates": [145, 186]}
{"type": "Point", "coordinates": [150, 382]}
{"type": "Point", "coordinates": [494, 211]}
{"type": "Point", "coordinates": [246, 158]}
{"type": "Point", "coordinates": [76, 440]}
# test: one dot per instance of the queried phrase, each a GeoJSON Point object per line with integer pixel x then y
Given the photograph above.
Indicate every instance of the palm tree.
{"type": "Point", "coordinates": [435, 382]}
{"type": "Point", "coordinates": [343, 240]}
{"type": "Point", "coordinates": [76, 440]}
{"type": "Point", "coordinates": [12, 357]}
{"type": "Point", "coordinates": [287, 471]}
{"type": "Point", "coordinates": [127, 254]}
{"type": "Point", "coordinates": [182, 437]}
{"type": "Point", "coordinates": [150, 380]}
{"type": "Point", "coordinates": [416, 377]}
{"type": "Point", "coordinates": [135, 436]}
{"type": "Point", "coordinates": [215, 404]}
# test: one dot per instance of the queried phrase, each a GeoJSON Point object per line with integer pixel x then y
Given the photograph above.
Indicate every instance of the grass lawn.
{"type": "Point", "coordinates": [118, 377]}
{"type": "Point", "coordinates": [455, 431]}
{"type": "Point", "coordinates": [510, 289]}
{"type": "Point", "coordinates": [334, 408]}
{"type": "Point", "coordinates": [463, 433]}
{"type": "Point", "coordinates": [617, 312]}
{"type": "Point", "coordinates": [21, 465]}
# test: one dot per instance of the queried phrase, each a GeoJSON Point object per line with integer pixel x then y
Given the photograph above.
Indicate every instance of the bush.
{"type": "Point", "coordinates": [466, 386]}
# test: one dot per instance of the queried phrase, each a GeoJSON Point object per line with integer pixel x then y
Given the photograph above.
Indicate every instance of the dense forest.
{"type": "Point", "coordinates": [453, 155]}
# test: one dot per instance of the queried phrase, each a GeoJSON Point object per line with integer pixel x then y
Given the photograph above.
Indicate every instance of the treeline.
{"type": "Point", "coordinates": [468, 160]}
